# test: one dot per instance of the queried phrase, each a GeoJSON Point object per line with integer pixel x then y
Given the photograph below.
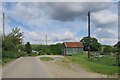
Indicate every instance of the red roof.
{"type": "Point", "coordinates": [73, 44]}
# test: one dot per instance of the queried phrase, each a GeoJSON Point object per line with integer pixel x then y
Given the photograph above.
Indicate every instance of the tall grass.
{"type": "Point", "coordinates": [83, 61]}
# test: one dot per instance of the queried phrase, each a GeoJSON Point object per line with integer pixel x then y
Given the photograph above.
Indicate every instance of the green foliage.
{"type": "Point", "coordinates": [108, 49]}
{"type": "Point", "coordinates": [28, 48]}
{"type": "Point", "coordinates": [33, 54]}
{"type": "Point", "coordinates": [21, 48]}
{"type": "Point", "coordinates": [23, 54]}
{"type": "Point", "coordinates": [12, 40]}
{"type": "Point", "coordinates": [56, 49]}
{"type": "Point", "coordinates": [92, 66]}
{"type": "Point", "coordinates": [46, 58]}
{"type": "Point", "coordinates": [6, 60]}
{"type": "Point", "coordinates": [11, 43]}
{"type": "Point", "coordinates": [94, 44]}
{"type": "Point", "coordinates": [42, 49]}
{"type": "Point", "coordinates": [117, 46]}
{"type": "Point", "coordinates": [10, 54]}
{"type": "Point", "coordinates": [107, 60]}
{"type": "Point", "coordinates": [48, 49]}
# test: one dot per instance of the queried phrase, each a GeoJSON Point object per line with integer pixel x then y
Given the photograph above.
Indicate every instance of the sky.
{"type": "Point", "coordinates": [62, 21]}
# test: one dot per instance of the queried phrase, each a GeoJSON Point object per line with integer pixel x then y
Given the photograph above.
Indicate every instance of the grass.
{"type": "Point", "coordinates": [63, 62]}
{"type": "Point", "coordinates": [108, 60]}
{"type": "Point", "coordinates": [46, 58]}
{"type": "Point", "coordinates": [6, 60]}
{"type": "Point", "coordinates": [83, 61]}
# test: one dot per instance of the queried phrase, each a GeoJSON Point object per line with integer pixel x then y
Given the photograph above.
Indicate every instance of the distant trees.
{"type": "Point", "coordinates": [94, 44]}
{"type": "Point", "coordinates": [48, 49]}
{"type": "Point", "coordinates": [56, 49]}
{"type": "Point", "coordinates": [28, 48]}
{"type": "Point", "coordinates": [42, 49]}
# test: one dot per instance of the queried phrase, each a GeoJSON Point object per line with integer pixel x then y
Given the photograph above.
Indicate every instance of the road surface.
{"type": "Point", "coordinates": [26, 67]}
{"type": "Point", "coordinates": [33, 67]}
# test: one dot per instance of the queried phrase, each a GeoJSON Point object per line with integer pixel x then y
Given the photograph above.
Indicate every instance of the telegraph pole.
{"type": "Point", "coordinates": [89, 34]}
{"type": "Point", "coordinates": [3, 26]}
{"type": "Point", "coordinates": [46, 44]}
{"type": "Point", "coordinates": [46, 39]}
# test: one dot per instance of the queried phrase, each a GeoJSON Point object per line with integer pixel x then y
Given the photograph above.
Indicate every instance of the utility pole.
{"type": "Point", "coordinates": [46, 39]}
{"type": "Point", "coordinates": [46, 44]}
{"type": "Point", "coordinates": [3, 26]}
{"type": "Point", "coordinates": [89, 34]}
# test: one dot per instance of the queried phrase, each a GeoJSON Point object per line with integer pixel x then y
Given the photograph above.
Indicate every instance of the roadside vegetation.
{"type": "Point", "coordinates": [10, 45]}
{"type": "Point", "coordinates": [13, 48]}
{"type": "Point", "coordinates": [46, 59]}
{"type": "Point", "coordinates": [83, 61]}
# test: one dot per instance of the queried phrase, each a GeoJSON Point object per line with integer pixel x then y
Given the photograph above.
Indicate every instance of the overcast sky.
{"type": "Point", "coordinates": [62, 21]}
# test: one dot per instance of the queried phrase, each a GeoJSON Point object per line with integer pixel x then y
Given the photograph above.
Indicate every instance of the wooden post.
{"type": "Point", "coordinates": [3, 26]}
{"type": "Point", "coordinates": [46, 44]}
{"type": "Point", "coordinates": [89, 34]}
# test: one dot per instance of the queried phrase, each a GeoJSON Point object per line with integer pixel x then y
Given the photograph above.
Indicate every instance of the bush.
{"type": "Point", "coordinates": [10, 54]}
{"type": "Point", "coordinates": [23, 54]}
{"type": "Point", "coordinates": [32, 54]}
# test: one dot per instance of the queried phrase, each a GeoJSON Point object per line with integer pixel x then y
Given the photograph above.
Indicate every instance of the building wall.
{"type": "Point", "coordinates": [74, 50]}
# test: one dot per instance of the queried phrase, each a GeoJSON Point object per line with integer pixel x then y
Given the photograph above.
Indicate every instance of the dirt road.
{"type": "Point", "coordinates": [63, 69]}
{"type": "Point", "coordinates": [26, 67]}
{"type": "Point", "coordinates": [33, 67]}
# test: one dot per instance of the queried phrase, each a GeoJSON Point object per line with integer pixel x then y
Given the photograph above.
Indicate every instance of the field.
{"type": "Point", "coordinates": [83, 61]}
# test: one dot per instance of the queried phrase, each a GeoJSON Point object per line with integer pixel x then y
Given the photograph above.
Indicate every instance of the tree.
{"type": "Point", "coordinates": [11, 43]}
{"type": "Point", "coordinates": [94, 44]}
{"type": "Point", "coordinates": [107, 49]}
{"type": "Point", "coordinates": [117, 46]}
{"type": "Point", "coordinates": [56, 49]}
{"type": "Point", "coordinates": [28, 47]}
{"type": "Point", "coordinates": [13, 40]}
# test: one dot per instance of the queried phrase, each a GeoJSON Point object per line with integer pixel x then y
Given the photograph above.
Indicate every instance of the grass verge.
{"type": "Point", "coordinates": [46, 58]}
{"type": "Point", "coordinates": [6, 60]}
{"type": "Point", "coordinates": [83, 61]}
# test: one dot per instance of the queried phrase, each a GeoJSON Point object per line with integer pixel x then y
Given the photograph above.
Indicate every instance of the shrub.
{"type": "Point", "coordinates": [10, 54]}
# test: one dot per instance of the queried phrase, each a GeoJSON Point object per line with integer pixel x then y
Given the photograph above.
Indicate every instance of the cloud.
{"type": "Point", "coordinates": [106, 36]}
{"type": "Point", "coordinates": [106, 33]}
{"type": "Point", "coordinates": [60, 37]}
{"type": "Point", "coordinates": [70, 11]}
{"type": "Point", "coordinates": [105, 19]}
{"type": "Point", "coordinates": [106, 40]}
{"type": "Point", "coordinates": [61, 21]}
